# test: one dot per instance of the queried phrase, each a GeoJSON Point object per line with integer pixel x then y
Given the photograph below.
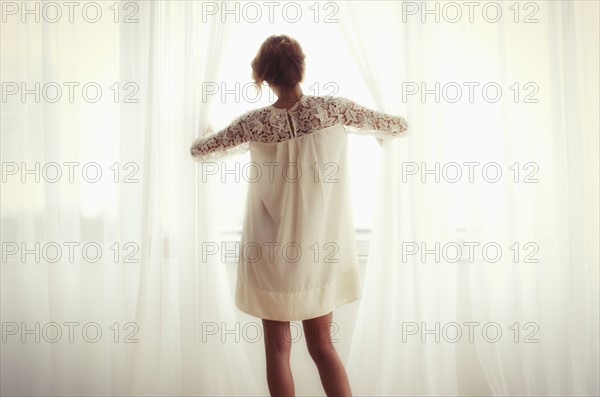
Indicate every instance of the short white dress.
{"type": "Point", "coordinates": [297, 257]}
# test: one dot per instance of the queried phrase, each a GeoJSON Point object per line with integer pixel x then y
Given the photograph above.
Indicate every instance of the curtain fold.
{"type": "Point", "coordinates": [184, 303]}
{"type": "Point", "coordinates": [394, 300]}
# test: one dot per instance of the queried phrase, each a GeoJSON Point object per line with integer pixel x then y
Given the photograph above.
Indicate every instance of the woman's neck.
{"type": "Point", "coordinates": [289, 96]}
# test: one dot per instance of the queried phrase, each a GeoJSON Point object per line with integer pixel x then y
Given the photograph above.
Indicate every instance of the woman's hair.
{"type": "Point", "coordinates": [279, 62]}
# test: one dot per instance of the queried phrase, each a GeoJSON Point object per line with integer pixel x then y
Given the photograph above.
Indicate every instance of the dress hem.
{"type": "Point", "coordinates": [297, 307]}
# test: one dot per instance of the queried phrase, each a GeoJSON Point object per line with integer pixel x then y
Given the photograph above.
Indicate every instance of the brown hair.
{"type": "Point", "coordinates": [279, 62]}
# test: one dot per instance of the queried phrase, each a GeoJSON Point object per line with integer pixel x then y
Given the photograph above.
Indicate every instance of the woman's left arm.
{"type": "Point", "coordinates": [233, 139]}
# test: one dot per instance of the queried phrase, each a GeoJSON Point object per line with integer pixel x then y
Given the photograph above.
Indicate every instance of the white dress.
{"type": "Point", "coordinates": [297, 257]}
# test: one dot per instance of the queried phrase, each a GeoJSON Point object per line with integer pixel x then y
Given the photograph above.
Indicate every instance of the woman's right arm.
{"type": "Point", "coordinates": [362, 120]}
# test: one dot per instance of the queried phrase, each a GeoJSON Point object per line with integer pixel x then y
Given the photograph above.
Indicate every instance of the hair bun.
{"type": "Point", "coordinates": [279, 61]}
{"type": "Point", "coordinates": [281, 48]}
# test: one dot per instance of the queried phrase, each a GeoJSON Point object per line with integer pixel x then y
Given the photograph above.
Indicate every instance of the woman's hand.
{"type": "Point", "coordinates": [209, 130]}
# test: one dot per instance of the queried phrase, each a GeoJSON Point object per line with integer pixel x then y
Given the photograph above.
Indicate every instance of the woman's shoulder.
{"type": "Point", "coordinates": [308, 101]}
{"type": "Point", "coordinates": [325, 101]}
{"type": "Point", "coordinates": [255, 113]}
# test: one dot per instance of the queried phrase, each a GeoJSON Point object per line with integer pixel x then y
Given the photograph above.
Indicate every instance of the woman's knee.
{"type": "Point", "coordinates": [277, 336]}
{"type": "Point", "coordinates": [321, 351]}
{"type": "Point", "coordinates": [318, 337]}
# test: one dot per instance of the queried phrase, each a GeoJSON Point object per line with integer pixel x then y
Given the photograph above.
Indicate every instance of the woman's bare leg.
{"type": "Point", "coordinates": [321, 349]}
{"type": "Point", "coordinates": [278, 344]}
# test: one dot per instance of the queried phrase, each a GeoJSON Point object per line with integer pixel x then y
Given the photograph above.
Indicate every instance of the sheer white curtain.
{"type": "Point", "coordinates": [153, 285]}
{"type": "Point", "coordinates": [541, 293]}
{"type": "Point", "coordinates": [183, 295]}
{"type": "Point", "coordinates": [157, 302]}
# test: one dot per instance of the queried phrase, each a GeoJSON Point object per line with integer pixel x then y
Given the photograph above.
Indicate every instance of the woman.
{"type": "Point", "coordinates": [307, 209]}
